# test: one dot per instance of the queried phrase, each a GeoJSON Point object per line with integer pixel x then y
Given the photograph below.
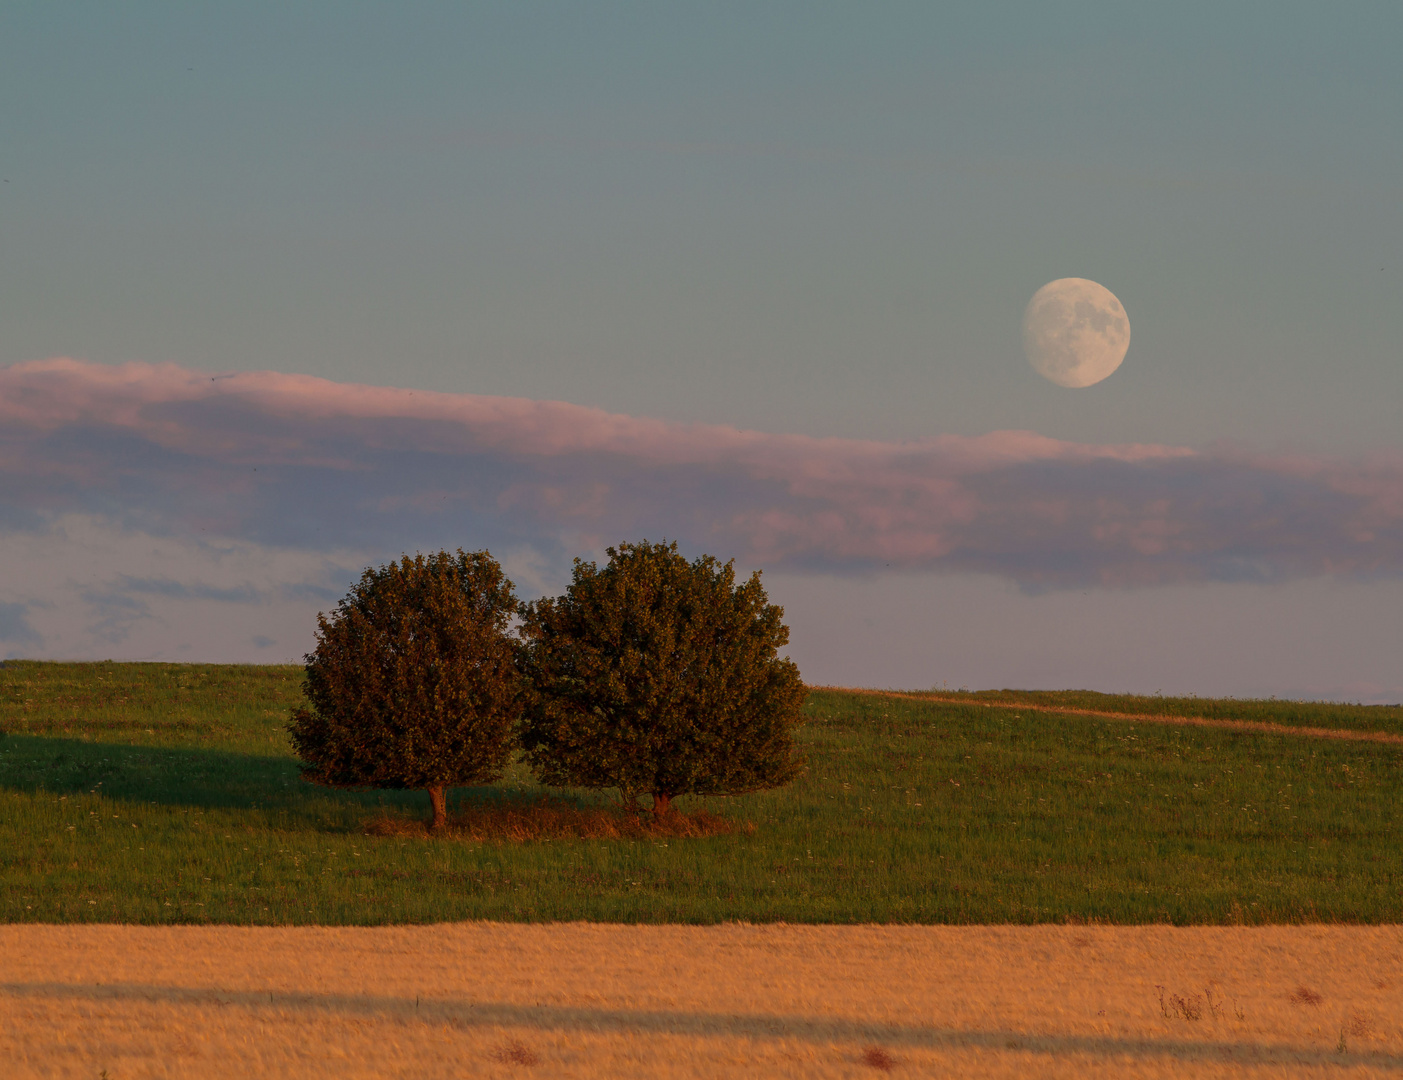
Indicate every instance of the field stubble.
{"type": "Point", "coordinates": [664, 1002]}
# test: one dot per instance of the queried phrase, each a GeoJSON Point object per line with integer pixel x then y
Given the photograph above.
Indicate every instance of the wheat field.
{"type": "Point", "coordinates": [604, 1000]}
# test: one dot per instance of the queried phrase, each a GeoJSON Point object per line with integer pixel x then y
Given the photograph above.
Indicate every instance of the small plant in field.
{"type": "Point", "coordinates": [878, 1058]}
{"type": "Point", "coordinates": [662, 676]}
{"type": "Point", "coordinates": [413, 681]}
{"type": "Point", "coordinates": [1360, 1026]}
{"type": "Point", "coordinates": [1214, 1007]}
{"type": "Point", "coordinates": [516, 1053]}
{"type": "Point", "coordinates": [1185, 1008]}
{"type": "Point", "coordinates": [1304, 995]}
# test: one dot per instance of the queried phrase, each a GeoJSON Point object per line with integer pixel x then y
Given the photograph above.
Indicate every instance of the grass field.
{"type": "Point", "coordinates": [167, 793]}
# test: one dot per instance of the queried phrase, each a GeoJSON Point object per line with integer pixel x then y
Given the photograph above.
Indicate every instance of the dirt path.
{"type": "Point", "coordinates": [663, 1002]}
{"type": "Point", "coordinates": [1261, 726]}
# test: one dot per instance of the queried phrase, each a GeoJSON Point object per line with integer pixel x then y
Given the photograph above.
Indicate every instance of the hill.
{"type": "Point", "coordinates": [157, 793]}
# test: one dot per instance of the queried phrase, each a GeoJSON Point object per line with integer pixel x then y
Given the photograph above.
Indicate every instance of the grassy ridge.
{"type": "Point", "coordinates": [168, 793]}
{"type": "Point", "coordinates": [239, 707]}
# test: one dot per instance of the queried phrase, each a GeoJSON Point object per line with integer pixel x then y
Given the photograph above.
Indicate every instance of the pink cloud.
{"type": "Point", "coordinates": [292, 458]}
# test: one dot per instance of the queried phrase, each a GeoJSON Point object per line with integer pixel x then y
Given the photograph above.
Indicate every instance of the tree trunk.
{"type": "Point", "coordinates": [440, 801]}
{"type": "Point", "coordinates": [662, 803]}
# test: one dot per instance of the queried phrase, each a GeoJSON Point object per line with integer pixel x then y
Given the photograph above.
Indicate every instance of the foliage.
{"type": "Point", "coordinates": [661, 676]}
{"type": "Point", "coordinates": [413, 681]}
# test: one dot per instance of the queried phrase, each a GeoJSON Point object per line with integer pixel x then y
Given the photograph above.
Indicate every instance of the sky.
{"type": "Point", "coordinates": [289, 290]}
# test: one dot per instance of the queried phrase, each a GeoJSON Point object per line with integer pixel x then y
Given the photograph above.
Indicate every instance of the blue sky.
{"type": "Point", "coordinates": [799, 219]}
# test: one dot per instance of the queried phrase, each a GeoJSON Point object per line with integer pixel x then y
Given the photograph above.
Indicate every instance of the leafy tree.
{"type": "Point", "coordinates": [413, 682]}
{"type": "Point", "coordinates": [661, 676]}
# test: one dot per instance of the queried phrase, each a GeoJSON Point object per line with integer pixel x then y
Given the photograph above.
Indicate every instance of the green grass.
{"type": "Point", "coordinates": [168, 793]}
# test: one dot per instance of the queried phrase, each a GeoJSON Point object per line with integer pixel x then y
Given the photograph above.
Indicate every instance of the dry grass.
{"type": "Point", "coordinates": [544, 818]}
{"type": "Point", "coordinates": [590, 1001]}
{"type": "Point", "coordinates": [1304, 995]}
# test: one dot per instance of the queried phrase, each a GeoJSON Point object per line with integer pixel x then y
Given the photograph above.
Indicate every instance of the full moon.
{"type": "Point", "coordinates": [1075, 332]}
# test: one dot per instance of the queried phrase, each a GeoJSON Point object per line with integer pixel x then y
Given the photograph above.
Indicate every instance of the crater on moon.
{"type": "Point", "coordinates": [1075, 332]}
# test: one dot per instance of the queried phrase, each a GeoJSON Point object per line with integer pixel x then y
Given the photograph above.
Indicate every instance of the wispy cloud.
{"type": "Point", "coordinates": [14, 625]}
{"type": "Point", "coordinates": [306, 464]}
{"type": "Point", "coordinates": [87, 586]}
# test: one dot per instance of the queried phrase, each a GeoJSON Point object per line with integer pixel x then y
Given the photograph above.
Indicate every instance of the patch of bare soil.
{"type": "Point", "coordinates": [662, 1002]}
{"type": "Point", "coordinates": [516, 821]}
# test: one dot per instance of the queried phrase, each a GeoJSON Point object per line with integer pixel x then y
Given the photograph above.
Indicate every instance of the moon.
{"type": "Point", "coordinates": [1075, 332]}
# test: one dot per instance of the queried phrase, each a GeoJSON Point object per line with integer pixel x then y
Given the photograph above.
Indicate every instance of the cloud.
{"type": "Point", "coordinates": [88, 587]}
{"type": "Point", "coordinates": [239, 594]}
{"type": "Point", "coordinates": [298, 464]}
{"type": "Point", "coordinates": [14, 624]}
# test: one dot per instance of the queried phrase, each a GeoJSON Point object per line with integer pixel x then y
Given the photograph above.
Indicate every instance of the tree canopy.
{"type": "Point", "coordinates": [414, 681]}
{"type": "Point", "coordinates": [659, 675]}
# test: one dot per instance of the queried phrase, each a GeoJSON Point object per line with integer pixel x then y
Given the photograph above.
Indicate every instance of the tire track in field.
{"type": "Point", "coordinates": [1261, 727]}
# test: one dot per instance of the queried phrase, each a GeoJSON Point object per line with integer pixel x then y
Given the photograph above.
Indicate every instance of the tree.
{"type": "Point", "coordinates": [414, 680]}
{"type": "Point", "coordinates": [661, 676]}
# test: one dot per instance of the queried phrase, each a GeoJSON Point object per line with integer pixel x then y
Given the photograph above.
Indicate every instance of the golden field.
{"type": "Point", "coordinates": [601, 1000]}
